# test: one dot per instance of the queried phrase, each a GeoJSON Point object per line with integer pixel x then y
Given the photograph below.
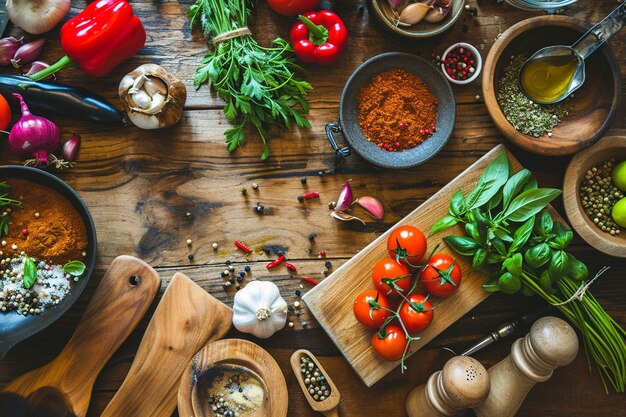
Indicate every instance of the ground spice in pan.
{"type": "Point", "coordinates": [45, 226]}
{"type": "Point", "coordinates": [397, 111]}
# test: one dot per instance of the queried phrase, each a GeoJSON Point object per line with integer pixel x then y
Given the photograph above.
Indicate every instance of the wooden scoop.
{"type": "Point", "coordinates": [186, 318]}
{"type": "Point", "coordinates": [328, 407]}
{"type": "Point", "coordinates": [63, 387]}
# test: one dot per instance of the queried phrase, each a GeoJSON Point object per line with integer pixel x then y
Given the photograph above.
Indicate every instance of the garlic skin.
{"type": "Point", "coordinates": [152, 97]}
{"type": "Point", "coordinates": [37, 17]}
{"type": "Point", "coordinates": [259, 309]}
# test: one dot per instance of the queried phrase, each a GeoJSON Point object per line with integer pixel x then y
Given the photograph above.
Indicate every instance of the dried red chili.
{"type": "Point", "coordinates": [242, 246]}
{"type": "Point", "coordinates": [310, 280]}
{"type": "Point", "coordinates": [291, 267]}
{"type": "Point", "coordinates": [275, 262]}
{"type": "Point", "coordinates": [397, 111]}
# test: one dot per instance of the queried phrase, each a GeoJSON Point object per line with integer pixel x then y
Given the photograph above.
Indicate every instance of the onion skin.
{"type": "Point", "coordinates": [37, 17]}
{"type": "Point", "coordinates": [33, 135]}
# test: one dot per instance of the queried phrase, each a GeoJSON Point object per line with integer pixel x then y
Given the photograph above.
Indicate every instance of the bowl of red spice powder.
{"type": "Point", "coordinates": [396, 111]}
{"type": "Point", "coordinates": [45, 222]}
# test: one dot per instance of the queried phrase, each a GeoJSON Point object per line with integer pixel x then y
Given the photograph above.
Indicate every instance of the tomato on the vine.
{"type": "Point", "coordinates": [407, 244]}
{"type": "Point", "coordinates": [5, 113]}
{"type": "Point", "coordinates": [292, 7]}
{"type": "Point", "coordinates": [369, 308]}
{"type": "Point", "coordinates": [390, 347]}
{"type": "Point", "coordinates": [417, 313]}
{"type": "Point", "coordinates": [390, 277]}
{"type": "Point", "coordinates": [441, 277]}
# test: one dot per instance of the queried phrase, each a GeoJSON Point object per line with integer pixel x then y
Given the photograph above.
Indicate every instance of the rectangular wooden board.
{"type": "Point", "coordinates": [331, 300]}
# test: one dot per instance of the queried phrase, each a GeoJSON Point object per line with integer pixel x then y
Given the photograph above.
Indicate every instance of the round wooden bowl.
{"type": "Point", "coordinates": [232, 354]}
{"type": "Point", "coordinates": [607, 148]}
{"type": "Point", "coordinates": [594, 104]}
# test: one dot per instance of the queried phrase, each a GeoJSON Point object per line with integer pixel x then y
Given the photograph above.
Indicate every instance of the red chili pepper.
{"type": "Point", "coordinates": [242, 246]}
{"type": "Point", "coordinates": [99, 38]}
{"type": "Point", "coordinates": [319, 37]}
{"type": "Point", "coordinates": [291, 266]}
{"type": "Point", "coordinates": [310, 280]}
{"type": "Point", "coordinates": [275, 262]}
{"type": "Point", "coordinates": [314, 194]}
{"type": "Point", "coordinates": [322, 253]}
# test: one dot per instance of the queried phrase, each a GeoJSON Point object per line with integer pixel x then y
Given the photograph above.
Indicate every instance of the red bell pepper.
{"type": "Point", "coordinates": [319, 37]}
{"type": "Point", "coordinates": [99, 38]}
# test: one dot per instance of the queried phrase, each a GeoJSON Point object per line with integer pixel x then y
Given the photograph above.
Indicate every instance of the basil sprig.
{"type": "Point", "coordinates": [74, 268]}
{"type": "Point", "coordinates": [520, 247]}
{"type": "Point", "coordinates": [30, 273]}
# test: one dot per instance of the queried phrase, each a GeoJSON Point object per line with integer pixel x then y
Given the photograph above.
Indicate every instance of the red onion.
{"type": "Point", "coordinates": [33, 135]}
{"type": "Point", "coordinates": [8, 47]}
{"type": "Point", "coordinates": [27, 53]}
{"type": "Point", "coordinates": [70, 148]}
{"type": "Point", "coordinates": [345, 197]}
{"type": "Point", "coordinates": [35, 67]}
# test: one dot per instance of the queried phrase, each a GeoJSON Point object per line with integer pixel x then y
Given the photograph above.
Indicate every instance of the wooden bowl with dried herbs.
{"type": "Point", "coordinates": [559, 129]}
{"type": "Point", "coordinates": [47, 251]}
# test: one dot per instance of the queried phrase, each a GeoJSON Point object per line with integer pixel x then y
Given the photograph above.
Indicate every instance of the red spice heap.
{"type": "Point", "coordinates": [397, 111]}
{"type": "Point", "coordinates": [459, 64]}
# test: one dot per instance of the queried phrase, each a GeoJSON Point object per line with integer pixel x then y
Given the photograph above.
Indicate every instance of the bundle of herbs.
{"type": "Point", "coordinates": [257, 83]}
{"type": "Point", "coordinates": [522, 249]}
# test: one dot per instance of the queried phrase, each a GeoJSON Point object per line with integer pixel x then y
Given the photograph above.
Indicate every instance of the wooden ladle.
{"type": "Point", "coordinates": [63, 387]}
{"type": "Point", "coordinates": [328, 407]}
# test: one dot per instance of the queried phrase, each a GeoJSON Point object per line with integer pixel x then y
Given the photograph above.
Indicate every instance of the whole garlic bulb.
{"type": "Point", "coordinates": [152, 97]}
{"type": "Point", "coordinates": [259, 309]}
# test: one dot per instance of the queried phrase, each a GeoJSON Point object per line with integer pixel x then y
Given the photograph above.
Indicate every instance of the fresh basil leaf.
{"type": "Point", "coordinates": [577, 269]}
{"type": "Point", "coordinates": [532, 184]}
{"type": "Point", "coordinates": [491, 286]}
{"type": "Point", "coordinates": [472, 230]}
{"type": "Point", "coordinates": [562, 237]}
{"type": "Point", "coordinates": [513, 186]}
{"type": "Point", "coordinates": [494, 202]}
{"type": "Point", "coordinates": [462, 245]}
{"type": "Point", "coordinates": [30, 273]}
{"type": "Point", "coordinates": [537, 256]}
{"type": "Point", "coordinates": [457, 204]}
{"type": "Point", "coordinates": [529, 203]}
{"type": "Point", "coordinates": [443, 224]}
{"type": "Point", "coordinates": [509, 283]}
{"type": "Point", "coordinates": [495, 258]}
{"type": "Point", "coordinates": [498, 245]}
{"type": "Point", "coordinates": [559, 264]}
{"type": "Point", "coordinates": [479, 258]}
{"type": "Point", "coordinates": [526, 291]}
{"type": "Point", "coordinates": [495, 176]}
{"type": "Point", "coordinates": [74, 268]}
{"type": "Point", "coordinates": [513, 264]}
{"type": "Point", "coordinates": [545, 224]}
{"type": "Point", "coordinates": [502, 234]}
{"type": "Point", "coordinates": [545, 282]}
{"type": "Point", "coordinates": [521, 235]}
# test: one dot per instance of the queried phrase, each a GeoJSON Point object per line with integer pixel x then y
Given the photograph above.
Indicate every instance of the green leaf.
{"type": "Point", "coordinates": [577, 269]}
{"type": "Point", "coordinates": [531, 184]}
{"type": "Point", "coordinates": [545, 225]}
{"type": "Point", "coordinates": [30, 273]}
{"type": "Point", "coordinates": [521, 235]}
{"type": "Point", "coordinates": [562, 237]}
{"type": "Point", "coordinates": [545, 282]}
{"type": "Point", "coordinates": [498, 245]}
{"type": "Point", "coordinates": [502, 234]}
{"type": "Point", "coordinates": [457, 204]}
{"type": "Point", "coordinates": [513, 264]}
{"type": "Point", "coordinates": [443, 224]}
{"type": "Point", "coordinates": [509, 283]}
{"type": "Point", "coordinates": [559, 264]}
{"type": "Point", "coordinates": [495, 176]}
{"type": "Point", "coordinates": [472, 230]}
{"type": "Point", "coordinates": [74, 268]}
{"type": "Point", "coordinates": [529, 203]}
{"type": "Point", "coordinates": [462, 245]}
{"type": "Point", "coordinates": [479, 258]}
{"type": "Point", "coordinates": [537, 256]}
{"type": "Point", "coordinates": [494, 202]}
{"type": "Point", "coordinates": [513, 186]}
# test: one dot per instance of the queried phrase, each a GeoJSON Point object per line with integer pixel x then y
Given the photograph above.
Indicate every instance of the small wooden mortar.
{"type": "Point", "coordinates": [328, 407]}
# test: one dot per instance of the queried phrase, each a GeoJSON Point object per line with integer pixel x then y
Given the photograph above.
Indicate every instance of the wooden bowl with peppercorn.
{"type": "Point", "coordinates": [566, 127]}
{"type": "Point", "coordinates": [588, 183]}
{"type": "Point", "coordinates": [48, 251]}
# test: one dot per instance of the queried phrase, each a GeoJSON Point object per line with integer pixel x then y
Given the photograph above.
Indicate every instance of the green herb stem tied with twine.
{"type": "Point", "coordinates": [257, 83]}
{"type": "Point", "coordinates": [522, 249]}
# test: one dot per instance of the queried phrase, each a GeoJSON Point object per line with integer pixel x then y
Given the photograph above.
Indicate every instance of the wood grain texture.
{"type": "Point", "coordinates": [593, 105]}
{"type": "Point", "coordinates": [186, 318]}
{"type": "Point", "coordinates": [122, 298]}
{"type": "Point", "coordinates": [194, 384]}
{"type": "Point", "coordinates": [608, 148]}
{"type": "Point", "coordinates": [139, 185]}
{"type": "Point", "coordinates": [328, 407]}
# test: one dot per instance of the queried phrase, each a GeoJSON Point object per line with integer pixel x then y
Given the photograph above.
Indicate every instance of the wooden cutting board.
{"type": "Point", "coordinates": [186, 318]}
{"type": "Point", "coordinates": [331, 300]}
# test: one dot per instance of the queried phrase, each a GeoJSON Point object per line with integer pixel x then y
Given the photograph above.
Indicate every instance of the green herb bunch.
{"type": "Point", "coordinates": [522, 249]}
{"type": "Point", "coordinates": [257, 83]}
{"type": "Point", "coordinates": [4, 202]}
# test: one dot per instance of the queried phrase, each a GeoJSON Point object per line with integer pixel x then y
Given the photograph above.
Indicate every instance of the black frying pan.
{"type": "Point", "coordinates": [14, 327]}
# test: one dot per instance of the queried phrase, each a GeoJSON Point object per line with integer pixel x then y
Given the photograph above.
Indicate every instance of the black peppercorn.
{"type": "Point", "coordinates": [298, 293]}
{"type": "Point", "coordinates": [328, 264]}
{"type": "Point", "coordinates": [239, 278]}
{"type": "Point", "coordinates": [190, 256]}
{"type": "Point", "coordinates": [312, 236]}
{"type": "Point", "coordinates": [301, 198]}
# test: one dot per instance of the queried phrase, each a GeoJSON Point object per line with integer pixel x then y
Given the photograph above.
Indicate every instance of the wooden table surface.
{"type": "Point", "coordinates": [139, 185]}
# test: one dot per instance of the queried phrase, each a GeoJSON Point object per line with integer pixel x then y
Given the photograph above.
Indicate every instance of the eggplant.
{"type": "Point", "coordinates": [62, 100]}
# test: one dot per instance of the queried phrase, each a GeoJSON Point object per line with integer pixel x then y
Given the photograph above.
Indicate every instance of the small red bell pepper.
{"type": "Point", "coordinates": [319, 37]}
{"type": "Point", "coordinates": [99, 38]}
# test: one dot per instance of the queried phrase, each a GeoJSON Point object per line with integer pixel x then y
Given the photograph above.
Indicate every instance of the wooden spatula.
{"type": "Point", "coordinates": [63, 387]}
{"type": "Point", "coordinates": [186, 318]}
{"type": "Point", "coordinates": [330, 406]}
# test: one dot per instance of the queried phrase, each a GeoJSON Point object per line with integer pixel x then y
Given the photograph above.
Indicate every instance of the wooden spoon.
{"type": "Point", "coordinates": [328, 407]}
{"type": "Point", "coordinates": [186, 318]}
{"type": "Point", "coordinates": [63, 387]}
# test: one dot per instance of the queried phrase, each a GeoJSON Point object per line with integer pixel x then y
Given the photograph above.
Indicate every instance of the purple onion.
{"type": "Point", "coordinates": [345, 197]}
{"type": "Point", "coordinates": [28, 52]}
{"type": "Point", "coordinates": [8, 48]}
{"type": "Point", "coordinates": [70, 148]}
{"type": "Point", "coordinates": [33, 135]}
{"type": "Point", "coordinates": [36, 67]}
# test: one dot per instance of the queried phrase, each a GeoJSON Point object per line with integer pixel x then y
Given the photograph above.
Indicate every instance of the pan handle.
{"type": "Point", "coordinates": [335, 128]}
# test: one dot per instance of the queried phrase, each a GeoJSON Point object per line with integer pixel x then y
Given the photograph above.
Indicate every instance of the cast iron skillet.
{"type": "Point", "coordinates": [14, 327]}
{"type": "Point", "coordinates": [349, 108]}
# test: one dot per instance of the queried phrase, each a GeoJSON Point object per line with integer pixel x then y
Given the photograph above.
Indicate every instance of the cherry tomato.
{"type": "Point", "coordinates": [392, 346]}
{"type": "Point", "coordinates": [418, 315]}
{"type": "Point", "coordinates": [442, 276]}
{"type": "Point", "coordinates": [293, 7]}
{"type": "Point", "coordinates": [407, 244]}
{"type": "Point", "coordinates": [5, 113]}
{"type": "Point", "coordinates": [367, 314]}
{"type": "Point", "coordinates": [389, 276]}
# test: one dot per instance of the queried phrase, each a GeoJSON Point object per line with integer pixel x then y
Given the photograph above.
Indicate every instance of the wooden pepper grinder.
{"type": "Point", "coordinates": [550, 344]}
{"type": "Point", "coordinates": [463, 383]}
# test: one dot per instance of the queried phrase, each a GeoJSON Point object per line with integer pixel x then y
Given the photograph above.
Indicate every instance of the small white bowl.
{"type": "Point", "coordinates": [478, 62]}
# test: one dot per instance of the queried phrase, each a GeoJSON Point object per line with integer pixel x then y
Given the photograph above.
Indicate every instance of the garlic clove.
{"type": "Point", "coordinates": [437, 14]}
{"type": "Point", "coordinates": [372, 205]}
{"type": "Point", "coordinates": [158, 101]}
{"type": "Point", "coordinates": [141, 99]}
{"type": "Point", "coordinates": [413, 13]}
{"type": "Point", "coordinates": [155, 85]}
